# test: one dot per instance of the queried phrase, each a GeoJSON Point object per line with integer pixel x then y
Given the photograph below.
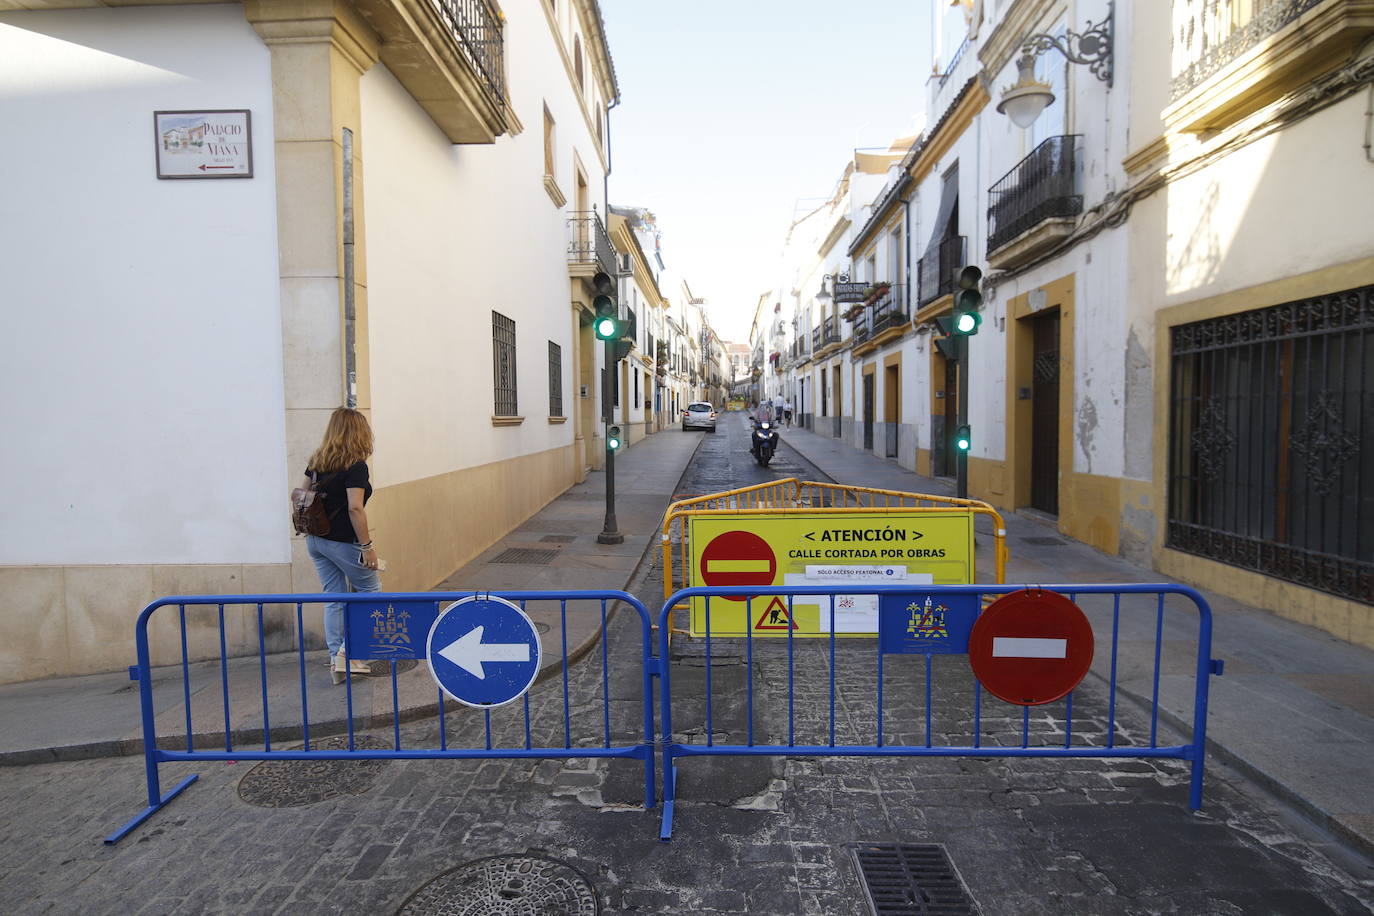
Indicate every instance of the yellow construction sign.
{"type": "Point", "coordinates": [796, 549]}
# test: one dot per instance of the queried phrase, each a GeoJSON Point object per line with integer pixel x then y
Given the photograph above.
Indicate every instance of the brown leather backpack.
{"type": "Point", "coordinates": [308, 512]}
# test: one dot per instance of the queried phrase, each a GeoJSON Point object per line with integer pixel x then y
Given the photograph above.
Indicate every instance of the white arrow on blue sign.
{"type": "Point", "coordinates": [483, 651]}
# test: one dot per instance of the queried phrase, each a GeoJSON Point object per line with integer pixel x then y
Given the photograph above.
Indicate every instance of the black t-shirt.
{"type": "Point", "coordinates": [334, 485]}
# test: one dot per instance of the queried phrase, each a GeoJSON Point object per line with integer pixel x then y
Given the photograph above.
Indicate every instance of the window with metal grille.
{"type": "Point", "coordinates": [555, 380]}
{"type": "Point", "coordinates": [1270, 436]}
{"type": "Point", "coordinates": [503, 364]}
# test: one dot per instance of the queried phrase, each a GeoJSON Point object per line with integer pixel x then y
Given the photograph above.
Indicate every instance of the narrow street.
{"type": "Point", "coordinates": [414, 592]}
{"type": "Point", "coordinates": [756, 835]}
{"type": "Point", "coordinates": [722, 461]}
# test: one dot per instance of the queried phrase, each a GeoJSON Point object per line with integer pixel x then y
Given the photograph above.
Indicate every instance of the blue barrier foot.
{"type": "Point", "coordinates": [149, 811]}
{"type": "Point", "coordinates": [665, 831]}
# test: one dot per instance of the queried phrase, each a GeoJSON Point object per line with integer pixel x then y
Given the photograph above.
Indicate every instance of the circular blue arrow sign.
{"type": "Point", "coordinates": [483, 652]}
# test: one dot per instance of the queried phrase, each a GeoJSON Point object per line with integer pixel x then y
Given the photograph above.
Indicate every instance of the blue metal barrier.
{"type": "Point", "coordinates": [256, 743]}
{"type": "Point", "coordinates": [868, 656]}
{"type": "Point", "coordinates": [891, 735]}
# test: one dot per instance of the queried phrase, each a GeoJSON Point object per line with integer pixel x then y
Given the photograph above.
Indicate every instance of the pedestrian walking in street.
{"type": "Point", "coordinates": [787, 412]}
{"type": "Point", "coordinates": [345, 556]}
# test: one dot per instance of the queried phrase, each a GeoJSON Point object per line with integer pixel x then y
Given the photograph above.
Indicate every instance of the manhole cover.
{"type": "Point", "coordinates": [506, 886]}
{"type": "Point", "coordinates": [911, 879]}
{"type": "Point", "coordinates": [524, 555]}
{"type": "Point", "coordinates": [292, 783]}
{"type": "Point", "coordinates": [1044, 542]}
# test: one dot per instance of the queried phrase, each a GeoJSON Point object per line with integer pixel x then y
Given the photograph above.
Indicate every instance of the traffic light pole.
{"type": "Point", "coordinates": [609, 532]}
{"type": "Point", "coordinates": [961, 456]}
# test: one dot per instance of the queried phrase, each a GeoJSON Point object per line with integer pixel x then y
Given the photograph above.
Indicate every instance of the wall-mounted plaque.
{"type": "Point", "coordinates": [204, 144]}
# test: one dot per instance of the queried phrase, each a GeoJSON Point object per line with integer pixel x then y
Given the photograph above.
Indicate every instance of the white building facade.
{"type": "Point", "coordinates": [417, 238]}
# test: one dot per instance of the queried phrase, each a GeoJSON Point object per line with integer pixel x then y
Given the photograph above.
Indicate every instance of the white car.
{"type": "Point", "coordinates": [699, 415]}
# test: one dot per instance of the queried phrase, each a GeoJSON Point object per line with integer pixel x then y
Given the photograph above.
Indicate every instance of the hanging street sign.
{"type": "Point", "coordinates": [850, 292]}
{"type": "Point", "coordinates": [483, 651]}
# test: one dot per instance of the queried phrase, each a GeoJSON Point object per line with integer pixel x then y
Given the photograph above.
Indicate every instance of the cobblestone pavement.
{"type": "Point", "coordinates": [758, 835]}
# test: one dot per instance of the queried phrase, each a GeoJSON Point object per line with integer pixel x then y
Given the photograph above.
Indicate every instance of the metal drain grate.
{"type": "Point", "coordinates": [527, 555]}
{"type": "Point", "coordinates": [514, 885]}
{"type": "Point", "coordinates": [558, 538]}
{"type": "Point", "coordinates": [1044, 542]}
{"type": "Point", "coordinates": [911, 880]}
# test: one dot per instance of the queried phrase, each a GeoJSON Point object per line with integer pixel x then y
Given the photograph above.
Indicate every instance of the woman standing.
{"type": "Point", "coordinates": [345, 555]}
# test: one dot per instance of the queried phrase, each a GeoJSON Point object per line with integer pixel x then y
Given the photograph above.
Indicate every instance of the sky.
{"type": "Point", "coordinates": [734, 113]}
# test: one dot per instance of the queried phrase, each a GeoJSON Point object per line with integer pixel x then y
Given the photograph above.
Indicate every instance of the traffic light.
{"type": "Point", "coordinates": [944, 337]}
{"type": "Point", "coordinates": [967, 301]}
{"type": "Point", "coordinates": [620, 349]}
{"type": "Point", "coordinates": [607, 323]}
{"type": "Point", "coordinates": [963, 438]}
{"type": "Point", "coordinates": [613, 438]}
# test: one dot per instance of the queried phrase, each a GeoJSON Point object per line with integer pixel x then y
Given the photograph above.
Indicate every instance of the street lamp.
{"type": "Point", "coordinates": [1027, 97]}
{"type": "Point", "coordinates": [828, 282]}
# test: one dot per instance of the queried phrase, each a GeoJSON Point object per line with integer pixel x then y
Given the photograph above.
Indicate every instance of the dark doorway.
{"type": "Point", "coordinates": [839, 410]}
{"type": "Point", "coordinates": [1045, 414]}
{"type": "Point", "coordinates": [892, 408]}
{"type": "Point", "coordinates": [868, 412]}
{"type": "Point", "coordinates": [946, 421]}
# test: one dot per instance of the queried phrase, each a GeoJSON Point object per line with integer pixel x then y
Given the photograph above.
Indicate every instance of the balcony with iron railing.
{"type": "Point", "coordinates": [1033, 206]}
{"type": "Point", "coordinates": [825, 334]}
{"type": "Point", "coordinates": [888, 311]}
{"type": "Point", "coordinates": [954, 62]}
{"type": "Point", "coordinates": [859, 328]}
{"type": "Point", "coordinates": [830, 330]}
{"type": "Point", "coordinates": [1233, 57]}
{"type": "Point", "coordinates": [935, 273]}
{"type": "Point", "coordinates": [590, 249]}
{"type": "Point", "coordinates": [476, 28]}
{"type": "Point", "coordinates": [450, 56]}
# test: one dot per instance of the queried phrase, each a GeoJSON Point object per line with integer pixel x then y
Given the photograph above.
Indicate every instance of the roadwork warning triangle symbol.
{"type": "Point", "coordinates": [775, 617]}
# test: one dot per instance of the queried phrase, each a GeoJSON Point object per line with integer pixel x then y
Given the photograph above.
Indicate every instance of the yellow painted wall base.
{"type": "Point", "coordinates": [923, 462]}
{"type": "Point", "coordinates": [428, 528]}
{"type": "Point", "coordinates": [1090, 510]}
{"type": "Point", "coordinates": [60, 621]}
{"type": "Point", "coordinates": [1347, 620]}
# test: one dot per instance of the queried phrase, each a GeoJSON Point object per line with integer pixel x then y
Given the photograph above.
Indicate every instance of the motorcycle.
{"type": "Point", "coordinates": [763, 442]}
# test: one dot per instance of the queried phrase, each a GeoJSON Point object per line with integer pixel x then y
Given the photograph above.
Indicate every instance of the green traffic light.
{"type": "Point", "coordinates": [606, 328]}
{"type": "Point", "coordinates": [613, 438]}
{"type": "Point", "coordinates": [963, 439]}
{"type": "Point", "coordinates": [967, 322]}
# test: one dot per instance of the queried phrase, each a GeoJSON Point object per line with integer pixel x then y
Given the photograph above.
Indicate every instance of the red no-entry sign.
{"type": "Point", "coordinates": [1031, 647]}
{"type": "Point", "coordinates": [738, 558]}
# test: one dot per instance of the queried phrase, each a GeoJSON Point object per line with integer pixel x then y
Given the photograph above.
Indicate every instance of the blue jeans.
{"type": "Point", "coordinates": [338, 566]}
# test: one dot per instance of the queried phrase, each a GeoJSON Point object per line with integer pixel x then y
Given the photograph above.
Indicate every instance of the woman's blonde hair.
{"type": "Point", "coordinates": [347, 440]}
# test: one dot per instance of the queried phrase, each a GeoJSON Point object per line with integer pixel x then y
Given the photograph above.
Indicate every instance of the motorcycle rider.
{"type": "Point", "coordinates": [758, 421]}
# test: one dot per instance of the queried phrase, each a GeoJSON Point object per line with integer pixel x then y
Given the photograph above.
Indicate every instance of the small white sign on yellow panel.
{"type": "Point", "coordinates": [800, 549]}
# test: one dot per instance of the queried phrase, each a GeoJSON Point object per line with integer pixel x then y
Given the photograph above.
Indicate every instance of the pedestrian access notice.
{"type": "Point", "coordinates": [808, 550]}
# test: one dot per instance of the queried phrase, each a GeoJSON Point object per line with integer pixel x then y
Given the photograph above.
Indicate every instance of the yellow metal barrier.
{"type": "Point", "coordinates": [792, 495]}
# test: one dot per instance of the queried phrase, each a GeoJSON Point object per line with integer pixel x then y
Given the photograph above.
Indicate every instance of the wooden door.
{"type": "Point", "coordinates": [1045, 415]}
{"type": "Point", "coordinates": [868, 412]}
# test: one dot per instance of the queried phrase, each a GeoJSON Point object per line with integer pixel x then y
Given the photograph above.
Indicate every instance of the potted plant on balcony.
{"type": "Point", "coordinates": [875, 291]}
